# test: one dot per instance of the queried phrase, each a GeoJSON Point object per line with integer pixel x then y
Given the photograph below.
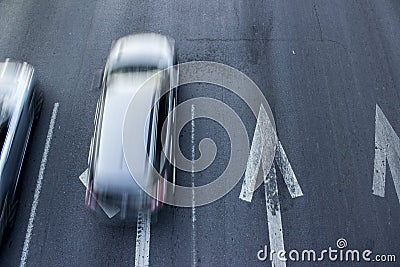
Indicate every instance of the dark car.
{"type": "Point", "coordinates": [20, 105]}
{"type": "Point", "coordinates": [132, 60]}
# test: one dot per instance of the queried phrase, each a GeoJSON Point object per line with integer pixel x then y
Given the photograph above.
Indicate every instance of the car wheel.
{"type": "Point", "coordinates": [39, 104]}
{"type": "Point", "coordinates": [154, 217]}
{"type": "Point", "coordinates": [12, 214]}
{"type": "Point", "coordinates": [89, 198]}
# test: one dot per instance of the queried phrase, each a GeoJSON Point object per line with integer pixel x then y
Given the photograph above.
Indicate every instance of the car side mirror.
{"type": "Point", "coordinates": [97, 80]}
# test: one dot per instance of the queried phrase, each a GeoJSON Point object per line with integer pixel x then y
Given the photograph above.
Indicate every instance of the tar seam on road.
{"type": "Point", "coordinates": [142, 251]}
{"type": "Point", "coordinates": [36, 196]}
{"type": "Point", "coordinates": [194, 249]}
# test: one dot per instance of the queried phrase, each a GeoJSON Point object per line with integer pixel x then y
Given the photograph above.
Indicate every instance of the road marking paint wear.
{"type": "Point", "coordinates": [287, 172]}
{"type": "Point", "coordinates": [36, 196]}
{"type": "Point", "coordinates": [142, 252]}
{"type": "Point", "coordinates": [108, 209]}
{"type": "Point", "coordinates": [274, 219]}
{"type": "Point", "coordinates": [387, 148]}
{"type": "Point", "coordinates": [264, 137]}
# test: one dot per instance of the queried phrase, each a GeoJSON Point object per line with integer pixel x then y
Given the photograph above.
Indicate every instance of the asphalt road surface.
{"type": "Point", "coordinates": [323, 66]}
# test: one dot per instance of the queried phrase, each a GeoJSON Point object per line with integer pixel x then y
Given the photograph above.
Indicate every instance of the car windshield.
{"type": "Point", "coordinates": [126, 74]}
{"type": "Point", "coordinates": [134, 69]}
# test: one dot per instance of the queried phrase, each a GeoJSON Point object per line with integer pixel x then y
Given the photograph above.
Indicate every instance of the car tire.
{"type": "Point", "coordinates": [12, 214]}
{"type": "Point", "coordinates": [39, 104]}
{"type": "Point", "coordinates": [154, 217]}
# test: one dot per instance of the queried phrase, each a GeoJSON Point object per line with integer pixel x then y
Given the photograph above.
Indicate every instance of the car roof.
{"type": "Point", "coordinates": [111, 170]}
{"type": "Point", "coordinates": [149, 49]}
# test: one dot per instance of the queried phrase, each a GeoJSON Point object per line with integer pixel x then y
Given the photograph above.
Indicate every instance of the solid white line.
{"type": "Point", "coordinates": [142, 252]}
{"type": "Point", "coordinates": [387, 148]}
{"type": "Point", "coordinates": [194, 249]}
{"type": "Point", "coordinates": [274, 219]}
{"type": "Point", "coordinates": [35, 202]}
{"type": "Point", "coordinates": [287, 172]}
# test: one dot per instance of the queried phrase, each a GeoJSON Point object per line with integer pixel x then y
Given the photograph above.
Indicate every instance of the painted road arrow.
{"type": "Point", "coordinates": [264, 134]}
{"type": "Point", "coordinates": [110, 210]}
{"type": "Point", "coordinates": [387, 149]}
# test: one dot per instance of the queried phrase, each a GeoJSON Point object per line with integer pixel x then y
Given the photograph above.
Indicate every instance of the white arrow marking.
{"type": "Point", "coordinates": [387, 148]}
{"type": "Point", "coordinates": [274, 219]}
{"type": "Point", "coordinates": [287, 172]}
{"type": "Point", "coordinates": [142, 253]}
{"type": "Point", "coordinates": [275, 228]}
{"type": "Point", "coordinates": [264, 136]}
{"type": "Point", "coordinates": [110, 210]}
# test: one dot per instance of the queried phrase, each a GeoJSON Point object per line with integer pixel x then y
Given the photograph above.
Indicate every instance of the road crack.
{"type": "Point", "coordinates": [318, 22]}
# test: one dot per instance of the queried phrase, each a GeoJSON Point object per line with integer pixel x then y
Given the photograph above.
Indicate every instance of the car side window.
{"type": "Point", "coordinates": [3, 134]}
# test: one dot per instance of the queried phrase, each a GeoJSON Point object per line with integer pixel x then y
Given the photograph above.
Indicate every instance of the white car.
{"type": "Point", "coordinates": [131, 61]}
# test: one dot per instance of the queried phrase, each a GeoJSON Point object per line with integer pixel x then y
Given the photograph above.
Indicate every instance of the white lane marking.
{"type": "Point", "coordinates": [274, 219]}
{"type": "Point", "coordinates": [387, 148]}
{"type": "Point", "coordinates": [264, 136]}
{"type": "Point", "coordinates": [194, 249]}
{"type": "Point", "coordinates": [287, 172]}
{"type": "Point", "coordinates": [142, 252]}
{"type": "Point", "coordinates": [108, 209]}
{"type": "Point", "coordinates": [36, 196]}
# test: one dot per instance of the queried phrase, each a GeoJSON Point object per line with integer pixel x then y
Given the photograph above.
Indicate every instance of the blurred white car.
{"type": "Point", "coordinates": [20, 106]}
{"type": "Point", "coordinates": [131, 61]}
